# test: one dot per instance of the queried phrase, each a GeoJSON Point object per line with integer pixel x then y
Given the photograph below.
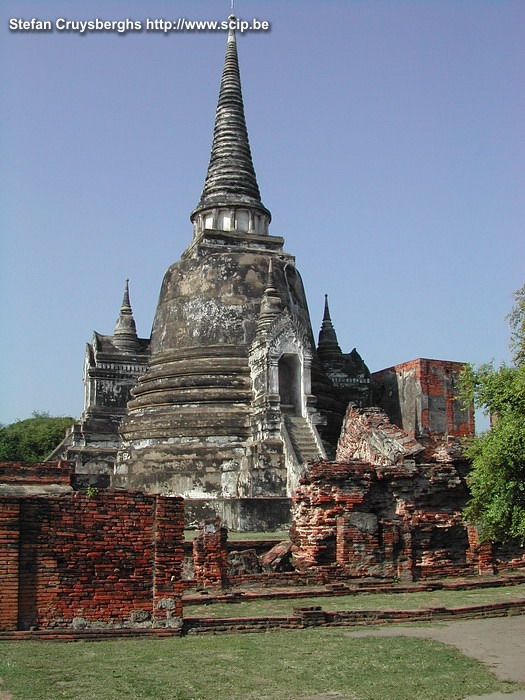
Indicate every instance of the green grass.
{"type": "Point", "coordinates": [278, 535]}
{"type": "Point", "coordinates": [283, 664]}
{"type": "Point", "coordinates": [368, 601]}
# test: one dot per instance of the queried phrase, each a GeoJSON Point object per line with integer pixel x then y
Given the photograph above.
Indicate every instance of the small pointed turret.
{"type": "Point", "coordinates": [328, 347]}
{"type": "Point", "coordinates": [271, 304]}
{"type": "Point", "coordinates": [230, 200]}
{"type": "Point", "coordinates": [125, 335]}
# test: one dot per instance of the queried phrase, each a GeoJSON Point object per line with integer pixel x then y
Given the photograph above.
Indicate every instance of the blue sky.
{"type": "Point", "coordinates": [388, 142]}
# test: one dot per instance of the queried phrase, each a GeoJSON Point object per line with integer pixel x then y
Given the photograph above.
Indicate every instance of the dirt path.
{"type": "Point", "coordinates": [498, 642]}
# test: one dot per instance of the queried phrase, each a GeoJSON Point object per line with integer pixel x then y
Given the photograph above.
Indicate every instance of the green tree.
{"type": "Point", "coordinates": [497, 479]}
{"type": "Point", "coordinates": [33, 439]}
{"type": "Point", "coordinates": [516, 320]}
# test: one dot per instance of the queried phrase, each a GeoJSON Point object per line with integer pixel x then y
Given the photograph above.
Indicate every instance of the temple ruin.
{"type": "Point", "coordinates": [230, 396]}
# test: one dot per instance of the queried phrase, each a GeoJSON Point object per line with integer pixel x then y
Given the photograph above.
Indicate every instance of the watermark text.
{"type": "Point", "coordinates": [123, 26]}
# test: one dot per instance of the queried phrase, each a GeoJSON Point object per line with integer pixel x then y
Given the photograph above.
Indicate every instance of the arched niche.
{"type": "Point", "coordinates": [290, 384]}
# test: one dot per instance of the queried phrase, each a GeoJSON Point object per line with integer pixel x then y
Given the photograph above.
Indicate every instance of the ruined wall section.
{"type": "Point", "coordinates": [421, 397]}
{"type": "Point", "coordinates": [9, 562]}
{"type": "Point", "coordinates": [368, 435]}
{"type": "Point", "coordinates": [210, 554]}
{"type": "Point", "coordinates": [113, 559]}
{"type": "Point", "coordinates": [335, 524]}
{"type": "Point", "coordinates": [400, 521]}
{"type": "Point", "coordinates": [35, 478]}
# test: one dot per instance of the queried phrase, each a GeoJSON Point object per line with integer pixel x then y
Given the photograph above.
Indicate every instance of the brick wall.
{"type": "Point", "coordinates": [36, 473]}
{"type": "Point", "coordinates": [210, 554]}
{"type": "Point", "coordinates": [421, 397]}
{"type": "Point", "coordinates": [9, 562]}
{"type": "Point", "coordinates": [401, 521]}
{"type": "Point", "coordinates": [114, 559]}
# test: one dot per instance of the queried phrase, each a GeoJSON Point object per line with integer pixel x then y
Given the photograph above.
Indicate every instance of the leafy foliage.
{"type": "Point", "coordinates": [516, 320]}
{"type": "Point", "coordinates": [32, 439]}
{"type": "Point", "coordinates": [497, 479]}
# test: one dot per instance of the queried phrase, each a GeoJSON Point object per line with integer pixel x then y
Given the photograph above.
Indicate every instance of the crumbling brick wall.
{"type": "Point", "coordinates": [210, 554]}
{"type": "Point", "coordinates": [112, 559]}
{"type": "Point", "coordinates": [368, 436]}
{"type": "Point", "coordinates": [421, 397]}
{"type": "Point", "coordinates": [9, 562]}
{"type": "Point", "coordinates": [35, 474]}
{"type": "Point", "coordinates": [399, 521]}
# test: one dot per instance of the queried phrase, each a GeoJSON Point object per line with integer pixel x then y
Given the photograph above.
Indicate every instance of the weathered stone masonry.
{"type": "Point", "coordinates": [112, 366]}
{"type": "Point", "coordinates": [229, 396]}
{"type": "Point", "coordinates": [110, 560]}
{"type": "Point", "coordinates": [31, 478]}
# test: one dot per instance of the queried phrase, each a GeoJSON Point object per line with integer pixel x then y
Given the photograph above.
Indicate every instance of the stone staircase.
{"type": "Point", "coordinates": [302, 438]}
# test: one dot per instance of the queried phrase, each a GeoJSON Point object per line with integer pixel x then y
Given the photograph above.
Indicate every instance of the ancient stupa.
{"type": "Point", "coordinates": [230, 398]}
{"type": "Point", "coordinates": [225, 414]}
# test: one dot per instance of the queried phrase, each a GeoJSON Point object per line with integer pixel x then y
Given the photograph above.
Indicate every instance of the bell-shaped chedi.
{"type": "Point", "coordinates": [192, 426]}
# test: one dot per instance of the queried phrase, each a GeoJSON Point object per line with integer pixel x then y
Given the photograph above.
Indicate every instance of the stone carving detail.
{"type": "Point", "coordinates": [288, 333]}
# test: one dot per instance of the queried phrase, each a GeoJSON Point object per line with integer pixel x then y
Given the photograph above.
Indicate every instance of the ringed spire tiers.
{"type": "Point", "coordinates": [328, 347]}
{"type": "Point", "coordinates": [125, 334]}
{"type": "Point", "coordinates": [230, 199]}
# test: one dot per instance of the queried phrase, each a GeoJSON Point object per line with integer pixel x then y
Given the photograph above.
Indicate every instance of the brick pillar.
{"type": "Point", "coordinates": [167, 561]}
{"type": "Point", "coordinates": [406, 568]}
{"type": "Point", "coordinates": [480, 553]}
{"type": "Point", "coordinates": [210, 556]}
{"type": "Point", "coordinates": [9, 562]}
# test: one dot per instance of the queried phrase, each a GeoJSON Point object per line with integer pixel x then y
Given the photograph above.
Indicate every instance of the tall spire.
{"type": "Point", "coordinates": [328, 347]}
{"type": "Point", "coordinates": [230, 180]}
{"type": "Point", "coordinates": [125, 334]}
